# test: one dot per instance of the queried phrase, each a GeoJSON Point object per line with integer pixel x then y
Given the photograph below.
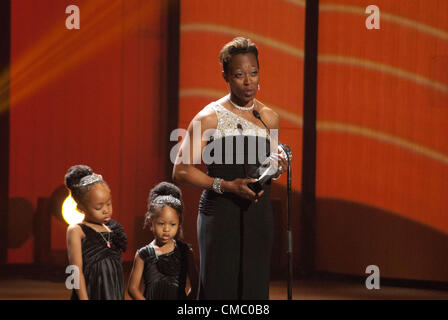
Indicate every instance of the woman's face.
{"type": "Point", "coordinates": [243, 78]}
{"type": "Point", "coordinates": [97, 204]}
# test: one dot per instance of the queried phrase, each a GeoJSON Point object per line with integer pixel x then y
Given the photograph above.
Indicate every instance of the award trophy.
{"type": "Point", "coordinates": [267, 170]}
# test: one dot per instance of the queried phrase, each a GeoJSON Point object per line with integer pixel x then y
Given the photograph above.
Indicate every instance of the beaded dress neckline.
{"type": "Point", "coordinates": [228, 123]}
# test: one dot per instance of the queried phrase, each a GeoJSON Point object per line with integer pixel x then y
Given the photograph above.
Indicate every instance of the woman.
{"type": "Point", "coordinates": [235, 227]}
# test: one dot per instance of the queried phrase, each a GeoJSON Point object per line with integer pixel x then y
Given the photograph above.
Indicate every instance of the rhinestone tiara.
{"type": "Point", "coordinates": [166, 199]}
{"type": "Point", "coordinates": [88, 180]}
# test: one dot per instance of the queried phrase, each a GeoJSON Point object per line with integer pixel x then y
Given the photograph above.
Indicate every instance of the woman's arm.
{"type": "Point", "coordinates": [135, 279]}
{"type": "Point", "coordinates": [272, 120]}
{"type": "Point", "coordinates": [190, 153]}
{"type": "Point", "coordinates": [74, 250]}
{"type": "Point", "coordinates": [193, 276]}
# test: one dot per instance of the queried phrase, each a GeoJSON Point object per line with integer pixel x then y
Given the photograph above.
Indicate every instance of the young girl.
{"type": "Point", "coordinates": [96, 244]}
{"type": "Point", "coordinates": [164, 263]}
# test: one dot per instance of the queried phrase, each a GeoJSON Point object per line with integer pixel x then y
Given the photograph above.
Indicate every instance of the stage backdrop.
{"type": "Point", "coordinates": [90, 96]}
{"type": "Point", "coordinates": [382, 147]}
{"type": "Point", "coordinates": [277, 28]}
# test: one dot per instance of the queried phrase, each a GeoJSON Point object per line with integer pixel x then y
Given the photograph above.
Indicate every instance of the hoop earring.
{"type": "Point", "coordinates": [258, 87]}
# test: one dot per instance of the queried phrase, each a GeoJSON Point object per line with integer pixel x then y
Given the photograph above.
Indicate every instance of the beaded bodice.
{"type": "Point", "coordinates": [237, 147]}
{"type": "Point", "coordinates": [228, 123]}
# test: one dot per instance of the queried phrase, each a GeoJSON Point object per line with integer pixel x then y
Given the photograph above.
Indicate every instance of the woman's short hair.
{"type": "Point", "coordinates": [237, 46]}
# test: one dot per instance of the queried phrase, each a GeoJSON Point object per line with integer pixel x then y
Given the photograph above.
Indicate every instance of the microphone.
{"type": "Point", "coordinates": [257, 115]}
{"type": "Point", "coordinates": [240, 129]}
{"type": "Point", "coordinates": [284, 148]}
{"type": "Point", "coordinates": [267, 174]}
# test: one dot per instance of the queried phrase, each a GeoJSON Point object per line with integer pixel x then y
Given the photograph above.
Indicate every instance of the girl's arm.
{"type": "Point", "coordinates": [192, 276]}
{"type": "Point", "coordinates": [74, 250]}
{"type": "Point", "coordinates": [135, 279]}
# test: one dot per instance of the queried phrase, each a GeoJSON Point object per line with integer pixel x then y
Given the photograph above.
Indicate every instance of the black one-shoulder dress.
{"type": "Point", "coordinates": [234, 235]}
{"type": "Point", "coordinates": [165, 275]}
{"type": "Point", "coordinates": [102, 266]}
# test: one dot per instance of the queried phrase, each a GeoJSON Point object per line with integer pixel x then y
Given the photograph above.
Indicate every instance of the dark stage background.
{"type": "Point", "coordinates": [374, 158]}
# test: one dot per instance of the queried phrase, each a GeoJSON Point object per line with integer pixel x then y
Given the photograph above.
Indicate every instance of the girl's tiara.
{"type": "Point", "coordinates": [88, 180]}
{"type": "Point", "coordinates": [166, 199]}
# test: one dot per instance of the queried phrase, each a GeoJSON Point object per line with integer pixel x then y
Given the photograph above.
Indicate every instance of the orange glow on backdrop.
{"type": "Point", "coordinates": [85, 96]}
{"type": "Point", "coordinates": [382, 122]}
{"type": "Point", "coordinates": [392, 123]}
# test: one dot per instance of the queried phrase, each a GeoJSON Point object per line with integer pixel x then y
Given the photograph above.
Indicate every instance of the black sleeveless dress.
{"type": "Point", "coordinates": [102, 266]}
{"type": "Point", "coordinates": [234, 235]}
{"type": "Point", "coordinates": [165, 275]}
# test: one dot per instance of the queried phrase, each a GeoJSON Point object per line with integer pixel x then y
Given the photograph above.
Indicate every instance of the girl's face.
{"type": "Point", "coordinates": [165, 225]}
{"type": "Point", "coordinates": [97, 204]}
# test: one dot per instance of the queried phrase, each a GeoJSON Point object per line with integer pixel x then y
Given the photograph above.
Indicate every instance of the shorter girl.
{"type": "Point", "coordinates": [96, 244]}
{"type": "Point", "coordinates": [166, 261]}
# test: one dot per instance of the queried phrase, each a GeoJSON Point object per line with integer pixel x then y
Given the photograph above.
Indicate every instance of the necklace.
{"type": "Point", "coordinates": [242, 108]}
{"type": "Point", "coordinates": [108, 237]}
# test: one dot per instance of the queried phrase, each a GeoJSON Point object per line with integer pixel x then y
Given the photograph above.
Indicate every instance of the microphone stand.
{"type": "Point", "coordinates": [240, 270]}
{"type": "Point", "coordinates": [288, 231]}
{"type": "Point", "coordinates": [288, 207]}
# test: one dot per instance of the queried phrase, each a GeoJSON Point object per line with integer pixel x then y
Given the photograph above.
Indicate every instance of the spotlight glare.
{"type": "Point", "coordinates": [69, 212]}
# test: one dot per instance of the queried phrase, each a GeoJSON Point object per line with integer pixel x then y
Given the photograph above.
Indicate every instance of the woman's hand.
{"type": "Point", "coordinates": [240, 188]}
{"type": "Point", "coordinates": [281, 162]}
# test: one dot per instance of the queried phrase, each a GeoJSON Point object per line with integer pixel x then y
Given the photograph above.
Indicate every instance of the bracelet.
{"type": "Point", "coordinates": [216, 186]}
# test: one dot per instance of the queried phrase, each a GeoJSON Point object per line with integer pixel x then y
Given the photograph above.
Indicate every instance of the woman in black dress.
{"type": "Point", "coordinates": [235, 227]}
{"type": "Point", "coordinates": [95, 245]}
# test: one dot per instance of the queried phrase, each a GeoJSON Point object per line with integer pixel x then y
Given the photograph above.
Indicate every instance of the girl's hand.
{"type": "Point", "coordinates": [240, 188]}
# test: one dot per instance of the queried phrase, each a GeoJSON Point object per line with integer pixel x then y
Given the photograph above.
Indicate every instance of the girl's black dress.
{"type": "Point", "coordinates": [235, 235]}
{"type": "Point", "coordinates": [165, 275]}
{"type": "Point", "coordinates": [102, 266]}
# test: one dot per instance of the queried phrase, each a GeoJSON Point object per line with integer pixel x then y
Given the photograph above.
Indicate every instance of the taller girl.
{"type": "Point", "coordinates": [96, 244]}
